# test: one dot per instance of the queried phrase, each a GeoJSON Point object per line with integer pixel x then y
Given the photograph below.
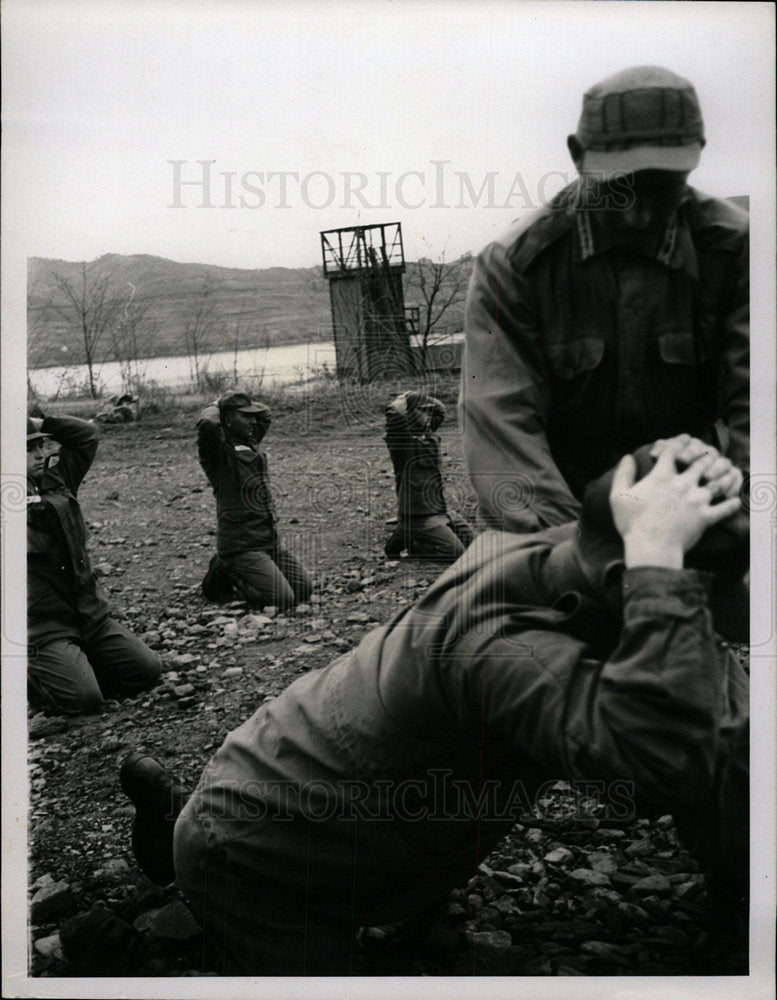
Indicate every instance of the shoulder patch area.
{"type": "Point", "coordinates": [717, 223]}
{"type": "Point", "coordinates": [527, 237]}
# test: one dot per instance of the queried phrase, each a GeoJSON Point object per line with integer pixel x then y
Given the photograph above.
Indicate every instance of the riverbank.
{"type": "Point", "coordinates": [289, 365]}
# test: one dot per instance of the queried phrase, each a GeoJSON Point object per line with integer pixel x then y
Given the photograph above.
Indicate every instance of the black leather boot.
{"type": "Point", "coordinates": [218, 584]}
{"type": "Point", "coordinates": [158, 799]}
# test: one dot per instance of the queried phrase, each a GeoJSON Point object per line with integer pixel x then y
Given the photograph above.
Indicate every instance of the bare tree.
{"type": "Point", "coordinates": [241, 335]}
{"type": "Point", "coordinates": [36, 331]}
{"type": "Point", "coordinates": [236, 338]}
{"type": "Point", "coordinates": [201, 326]}
{"type": "Point", "coordinates": [89, 303]}
{"type": "Point", "coordinates": [132, 336]}
{"type": "Point", "coordinates": [441, 287]}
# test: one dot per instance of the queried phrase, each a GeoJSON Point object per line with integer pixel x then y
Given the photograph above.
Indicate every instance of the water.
{"type": "Point", "coordinates": [282, 365]}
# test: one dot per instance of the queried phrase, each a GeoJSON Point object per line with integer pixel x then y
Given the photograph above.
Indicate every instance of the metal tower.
{"type": "Point", "coordinates": [364, 267]}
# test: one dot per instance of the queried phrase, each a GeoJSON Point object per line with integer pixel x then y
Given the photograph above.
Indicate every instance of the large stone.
{"type": "Point", "coordinates": [668, 937]}
{"type": "Point", "coordinates": [505, 904]}
{"type": "Point", "coordinates": [115, 866]}
{"type": "Point", "coordinates": [173, 922]}
{"type": "Point", "coordinates": [46, 879]}
{"type": "Point", "coordinates": [559, 856]}
{"type": "Point", "coordinates": [567, 930]}
{"type": "Point", "coordinates": [588, 877]}
{"type": "Point", "coordinates": [603, 949]}
{"type": "Point", "coordinates": [509, 879]}
{"type": "Point", "coordinates": [691, 886]}
{"type": "Point", "coordinates": [50, 900]}
{"type": "Point", "coordinates": [50, 947]}
{"type": "Point", "coordinates": [639, 848]}
{"type": "Point", "coordinates": [602, 862]}
{"type": "Point", "coordinates": [496, 940]}
{"type": "Point", "coordinates": [521, 870]}
{"type": "Point", "coordinates": [658, 885]}
{"type": "Point", "coordinates": [183, 660]}
{"type": "Point", "coordinates": [609, 833]}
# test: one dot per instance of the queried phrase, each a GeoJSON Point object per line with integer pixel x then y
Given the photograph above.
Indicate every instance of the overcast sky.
{"type": "Point", "coordinates": [373, 111]}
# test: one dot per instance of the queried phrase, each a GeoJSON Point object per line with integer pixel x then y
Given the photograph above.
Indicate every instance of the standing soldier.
{"type": "Point", "coordinates": [617, 314]}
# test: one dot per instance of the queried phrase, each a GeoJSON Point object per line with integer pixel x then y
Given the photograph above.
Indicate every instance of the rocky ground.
{"type": "Point", "coordinates": [569, 892]}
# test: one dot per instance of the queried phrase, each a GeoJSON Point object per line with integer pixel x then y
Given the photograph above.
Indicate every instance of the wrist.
{"type": "Point", "coordinates": [639, 551]}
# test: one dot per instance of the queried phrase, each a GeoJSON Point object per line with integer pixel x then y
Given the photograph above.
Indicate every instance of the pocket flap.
{"type": "Point", "coordinates": [571, 357]}
{"type": "Point", "coordinates": [678, 348]}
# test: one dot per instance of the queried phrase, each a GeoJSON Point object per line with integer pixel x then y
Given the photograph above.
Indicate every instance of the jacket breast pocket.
{"type": "Point", "coordinates": [569, 358]}
{"type": "Point", "coordinates": [680, 347]}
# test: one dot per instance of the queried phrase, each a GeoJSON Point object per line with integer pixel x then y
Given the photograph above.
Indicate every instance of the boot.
{"type": "Point", "coordinates": [158, 799]}
{"type": "Point", "coordinates": [217, 584]}
{"type": "Point", "coordinates": [396, 542]}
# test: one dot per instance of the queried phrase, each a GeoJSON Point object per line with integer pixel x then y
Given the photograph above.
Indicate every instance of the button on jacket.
{"type": "Point", "coordinates": [239, 477]}
{"type": "Point", "coordinates": [375, 763]}
{"type": "Point", "coordinates": [578, 352]}
{"type": "Point", "coordinates": [64, 599]}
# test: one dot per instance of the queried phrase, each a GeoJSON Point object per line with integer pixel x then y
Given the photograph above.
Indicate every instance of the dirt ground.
{"type": "Point", "coordinates": [528, 911]}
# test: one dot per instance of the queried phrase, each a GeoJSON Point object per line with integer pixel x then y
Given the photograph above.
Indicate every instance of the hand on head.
{"type": "Point", "coordinates": [722, 478]}
{"type": "Point", "coordinates": [663, 515]}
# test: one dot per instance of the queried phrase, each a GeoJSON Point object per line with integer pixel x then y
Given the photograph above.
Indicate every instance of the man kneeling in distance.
{"type": "Point", "coordinates": [369, 789]}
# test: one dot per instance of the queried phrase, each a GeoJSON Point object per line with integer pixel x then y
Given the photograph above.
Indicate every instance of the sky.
{"type": "Point", "coordinates": [318, 115]}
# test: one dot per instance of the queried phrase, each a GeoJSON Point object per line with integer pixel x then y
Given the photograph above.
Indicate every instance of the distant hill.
{"type": "Point", "coordinates": [277, 305]}
{"type": "Point", "coordinates": [274, 305]}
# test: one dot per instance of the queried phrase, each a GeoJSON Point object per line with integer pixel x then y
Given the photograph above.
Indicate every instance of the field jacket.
{"type": "Point", "coordinates": [396, 769]}
{"type": "Point", "coordinates": [416, 461]}
{"type": "Point", "coordinates": [64, 599]}
{"type": "Point", "coordinates": [239, 477]}
{"type": "Point", "coordinates": [577, 353]}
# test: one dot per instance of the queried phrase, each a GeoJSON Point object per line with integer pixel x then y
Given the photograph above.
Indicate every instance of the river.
{"type": "Point", "coordinates": [281, 365]}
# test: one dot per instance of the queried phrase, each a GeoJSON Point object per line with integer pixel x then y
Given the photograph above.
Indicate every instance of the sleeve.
{"type": "Point", "coordinates": [79, 440]}
{"type": "Point", "coordinates": [504, 401]}
{"type": "Point", "coordinates": [399, 439]}
{"type": "Point", "coordinates": [262, 419]}
{"type": "Point", "coordinates": [210, 442]}
{"type": "Point", "coordinates": [734, 367]}
{"type": "Point", "coordinates": [650, 715]}
{"type": "Point", "coordinates": [264, 416]}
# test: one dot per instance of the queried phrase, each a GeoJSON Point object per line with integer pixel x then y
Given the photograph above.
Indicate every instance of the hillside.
{"type": "Point", "coordinates": [152, 302]}
{"type": "Point", "coordinates": [275, 305]}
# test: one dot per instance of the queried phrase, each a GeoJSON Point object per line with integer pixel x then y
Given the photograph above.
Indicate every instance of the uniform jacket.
{"type": "Point", "coordinates": [64, 599]}
{"type": "Point", "coordinates": [577, 353]}
{"type": "Point", "coordinates": [508, 674]}
{"type": "Point", "coordinates": [416, 461]}
{"type": "Point", "coordinates": [239, 477]}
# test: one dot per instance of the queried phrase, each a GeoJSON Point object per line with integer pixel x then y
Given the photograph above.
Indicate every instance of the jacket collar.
{"type": "Point", "coordinates": [676, 249]}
